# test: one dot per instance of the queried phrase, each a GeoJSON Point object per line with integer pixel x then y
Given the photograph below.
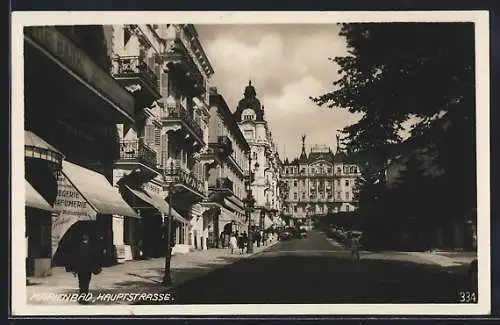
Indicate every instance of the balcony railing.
{"type": "Point", "coordinates": [225, 144]}
{"type": "Point", "coordinates": [134, 66]}
{"type": "Point", "coordinates": [177, 112]}
{"type": "Point", "coordinates": [222, 184]}
{"type": "Point", "coordinates": [136, 150]}
{"type": "Point", "coordinates": [182, 175]}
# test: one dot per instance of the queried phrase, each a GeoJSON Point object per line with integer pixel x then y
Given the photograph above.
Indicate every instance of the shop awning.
{"type": "Point", "coordinates": [233, 206]}
{"type": "Point", "coordinates": [158, 203]}
{"type": "Point", "coordinates": [36, 147]}
{"type": "Point", "coordinates": [98, 192]}
{"type": "Point", "coordinates": [35, 200]}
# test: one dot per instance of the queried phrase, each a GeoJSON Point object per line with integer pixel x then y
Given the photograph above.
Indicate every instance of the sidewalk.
{"type": "Point", "coordinates": [446, 258]}
{"type": "Point", "coordinates": [142, 276]}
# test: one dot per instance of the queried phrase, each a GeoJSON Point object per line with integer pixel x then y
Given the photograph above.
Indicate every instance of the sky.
{"type": "Point", "coordinates": [287, 64]}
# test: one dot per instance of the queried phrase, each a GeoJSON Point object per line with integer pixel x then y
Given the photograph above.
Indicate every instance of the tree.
{"type": "Point", "coordinates": [400, 72]}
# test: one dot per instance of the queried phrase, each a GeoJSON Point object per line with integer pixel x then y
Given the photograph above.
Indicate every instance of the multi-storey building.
{"type": "Point", "coordinates": [264, 158]}
{"type": "Point", "coordinates": [227, 175]}
{"type": "Point", "coordinates": [167, 71]}
{"type": "Point", "coordinates": [319, 183]}
{"type": "Point", "coordinates": [71, 107]}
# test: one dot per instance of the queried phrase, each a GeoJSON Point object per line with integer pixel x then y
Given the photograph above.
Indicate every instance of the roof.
{"type": "Point", "coordinates": [219, 101]}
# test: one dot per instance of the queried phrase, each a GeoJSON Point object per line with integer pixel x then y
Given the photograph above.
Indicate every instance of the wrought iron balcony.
{"type": "Point", "coordinates": [176, 173]}
{"type": "Point", "coordinates": [222, 184]}
{"type": "Point", "coordinates": [138, 152]}
{"type": "Point", "coordinates": [174, 112]}
{"type": "Point", "coordinates": [136, 76]}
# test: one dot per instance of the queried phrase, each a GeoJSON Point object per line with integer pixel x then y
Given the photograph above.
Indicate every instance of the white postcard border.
{"type": "Point", "coordinates": [18, 284]}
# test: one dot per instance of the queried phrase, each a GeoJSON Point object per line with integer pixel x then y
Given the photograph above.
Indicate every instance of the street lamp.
{"type": "Point", "coordinates": [170, 177]}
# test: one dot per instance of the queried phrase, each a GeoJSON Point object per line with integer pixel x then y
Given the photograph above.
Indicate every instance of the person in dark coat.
{"type": "Point", "coordinates": [83, 260]}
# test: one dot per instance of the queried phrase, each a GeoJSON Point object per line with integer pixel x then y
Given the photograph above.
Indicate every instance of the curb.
{"type": "Point", "coordinates": [177, 284]}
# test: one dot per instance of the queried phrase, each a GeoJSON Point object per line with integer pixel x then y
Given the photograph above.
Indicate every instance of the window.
{"type": "Point", "coordinates": [339, 170]}
{"type": "Point", "coordinates": [346, 182]}
{"type": "Point", "coordinates": [347, 208]}
{"type": "Point", "coordinates": [295, 209]}
{"type": "Point", "coordinates": [347, 196]}
{"type": "Point", "coordinates": [321, 208]}
{"type": "Point", "coordinates": [295, 196]}
{"type": "Point", "coordinates": [295, 183]}
{"type": "Point", "coordinates": [254, 154]}
{"type": "Point", "coordinates": [303, 170]}
{"type": "Point", "coordinates": [338, 195]}
{"type": "Point", "coordinates": [248, 134]}
{"type": "Point", "coordinates": [157, 136]}
{"type": "Point", "coordinates": [304, 182]}
{"type": "Point", "coordinates": [248, 117]}
{"type": "Point", "coordinates": [329, 170]}
{"type": "Point", "coordinates": [338, 182]}
{"type": "Point", "coordinates": [303, 195]}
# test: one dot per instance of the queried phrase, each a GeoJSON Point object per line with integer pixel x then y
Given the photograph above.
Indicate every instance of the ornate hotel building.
{"type": "Point", "coordinates": [320, 182]}
{"type": "Point", "coordinates": [265, 162]}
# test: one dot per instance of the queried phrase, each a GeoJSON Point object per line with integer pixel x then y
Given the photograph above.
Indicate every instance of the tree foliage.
{"type": "Point", "coordinates": [396, 73]}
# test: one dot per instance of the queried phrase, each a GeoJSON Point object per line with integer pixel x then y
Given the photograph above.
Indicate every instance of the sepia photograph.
{"type": "Point", "coordinates": [242, 163]}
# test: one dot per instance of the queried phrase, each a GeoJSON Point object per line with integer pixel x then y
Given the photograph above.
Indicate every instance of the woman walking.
{"type": "Point", "coordinates": [233, 242]}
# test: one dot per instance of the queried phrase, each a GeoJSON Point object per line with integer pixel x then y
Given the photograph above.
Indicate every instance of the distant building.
{"type": "Point", "coordinates": [264, 158]}
{"type": "Point", "coordinates": [319, 183]}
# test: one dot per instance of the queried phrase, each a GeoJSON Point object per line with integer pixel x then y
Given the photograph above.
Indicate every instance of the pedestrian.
{"type": "Point", "coordinates": [83, 261]}
{"type": "Point", "coordinates": [354, 247]}
{"type": "Point", "coordinates": [266, 238]}
{"type": "Point", "coordinates": [241, 244]}
{"type": "Point", "coordinates": [233, 242]}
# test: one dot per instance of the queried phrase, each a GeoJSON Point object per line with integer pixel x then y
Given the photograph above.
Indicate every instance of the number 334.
{"type": "Point", "coordinates": [467, 297]}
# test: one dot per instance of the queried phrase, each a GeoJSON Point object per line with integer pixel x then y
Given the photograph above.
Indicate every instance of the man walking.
{"type": "Point", "coordinates": [84, 259]}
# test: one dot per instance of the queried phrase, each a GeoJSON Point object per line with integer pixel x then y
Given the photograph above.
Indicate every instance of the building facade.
{"type": "Point", "coordinates": [318, 183]}
{"type": "Point", "coordinates": [227, 175]}
{"type": "Point", "coordinates": [167, 71]}
{"type": "Point", "coordinates": [265, 164]}
{"type": "Point", "coordinates": [71, 141]}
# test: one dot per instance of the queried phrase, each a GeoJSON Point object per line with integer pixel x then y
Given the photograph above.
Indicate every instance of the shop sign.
{"type": "Point", "coordinates": [70, 207]}
{"type": "Point", "coordinates": [156, 189]}
{"type": "Point", "coordinates": [74, 58]}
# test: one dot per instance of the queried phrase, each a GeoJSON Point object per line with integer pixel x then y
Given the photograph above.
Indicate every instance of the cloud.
{"type": "Point", "coordinates": [287, 64]}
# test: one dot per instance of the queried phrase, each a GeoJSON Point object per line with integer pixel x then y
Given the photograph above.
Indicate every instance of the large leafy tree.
{"type": "Point", "coordinates": [395, 73]}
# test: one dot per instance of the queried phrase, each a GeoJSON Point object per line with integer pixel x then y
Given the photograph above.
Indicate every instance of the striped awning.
{"type": "Point", "coordinates": [35, 199]}
{"type": "Point", "coordinates": [97, 191]}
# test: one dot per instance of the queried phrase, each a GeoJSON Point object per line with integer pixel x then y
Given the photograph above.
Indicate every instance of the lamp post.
{"type": "Point", "coordinates": [169, 177]}
{"type": "Point", "coordinates": [249, 204]}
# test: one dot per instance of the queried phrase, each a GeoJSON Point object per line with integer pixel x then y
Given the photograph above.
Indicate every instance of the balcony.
{"type": "Point", "coordinates": [222, 184]}
{"type": "Point", "coordinates": [175, 113]}
{"type": "Point", "coordinates": [136, 154]}
{"type": "Point", "coordinates": [136, 76]}
{"type": "Point", "coordinates": [181, 175]}
{"type": "Point", "coordinates": [223, 146]}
